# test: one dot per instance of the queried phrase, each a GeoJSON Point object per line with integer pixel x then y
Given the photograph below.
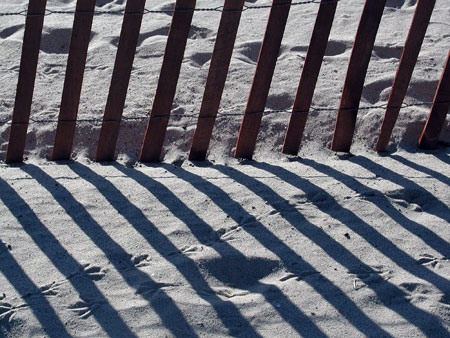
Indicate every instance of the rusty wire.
{"type": "Point", "coordinates": [165, 11]}
{"type": "Point", "coordinates": [222, 115]}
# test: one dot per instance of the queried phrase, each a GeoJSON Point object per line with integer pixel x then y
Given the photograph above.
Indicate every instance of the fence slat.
{"type": "Point", "coordinates": [173, 57]}
{"type": "Point", "coordinates": [441, 105]}
{"type": "Point", "coordinates": [27, 75]}
{"type": "Point", "coordinates": [267, 59]}
{"type": "Point", "coordinates": [120, 79]}
{"type": "Point", "coordinates": [405, 69]}
{"type": "Point", "coordinates": [356, 74]}
{"type": "Point", "coordinates": [73, 81]}
{"type": "Point", "coordinates": [218, 70]}
{"type": "Point", "coordinates": [308, 79]}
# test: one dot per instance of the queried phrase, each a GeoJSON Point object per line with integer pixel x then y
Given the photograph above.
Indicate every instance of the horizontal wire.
{"type": "Point", "coordinates": [220, 115]}
{"type": "Point", "coordinates": [167, 11]}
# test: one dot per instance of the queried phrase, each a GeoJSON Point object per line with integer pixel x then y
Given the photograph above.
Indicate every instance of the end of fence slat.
{"type": "Point", "coordinates": [248, 134]}
{"type": "Point", "coordinates": [356, 74]}
{"type": "Point", "coordinates": [16, 144]}
{"type": "Point", "coordinates": [405, 69]}
{"type": "Point", "coordinates": [217, 74]}
{"type": "Point", "coordinates": [151, 150]}
{"type": "Point", "coordinates": [63, 141]}
{"type": "Point", "coordinates": [27, 75]}
{"type": "Point", "coordinates": [294, 133]}
{"type": "Point", "coordinates": [308, 79]}
{"type": "Point", "coordinates": [73, 81]}
{"type": "Point", "coordinates": [259, 91]}
{"type": "Point", "coordinates": [152, 145]}
{"type": "Point", "coordinates": [201, 139]}
{"type": "Point", "coordinates": [429, 137]}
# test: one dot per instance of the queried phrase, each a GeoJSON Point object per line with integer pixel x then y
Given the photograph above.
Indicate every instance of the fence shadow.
{"type": "Point", "coordinates": [227, 312]}
{"type": "Point", "coordinates": [28, 291]}
{"type": "Point", "coordinates": [384, 290]}
{"type": "Point", "coordinates": [330, 292]}
{"type": "Point", "coordinates": [437, 175]}
{"type": "Point", "coordinates": [202, 231]}
{"type": "Point", "coordinates": [164, 306]}
{"type": "Point", "coordinates": [106, 315]}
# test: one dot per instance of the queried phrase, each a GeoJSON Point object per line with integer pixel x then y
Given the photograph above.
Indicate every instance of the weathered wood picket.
{"type": "Point", "coordinates": [152, 145]}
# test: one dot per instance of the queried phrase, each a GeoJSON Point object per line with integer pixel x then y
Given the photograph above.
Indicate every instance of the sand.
{"type": "Point", "coordinates": [319, 244]}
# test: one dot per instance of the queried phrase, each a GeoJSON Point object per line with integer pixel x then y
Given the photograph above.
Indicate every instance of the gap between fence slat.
{"type": "Point", "coordinates": [259, 91]}
{"type": "Point", "coordinates": [126, 51]}
{"type": "Point", "coordinates": [27, 76]}
{"type": "Point", "coordinates": [405, 69]}
{"type": "Point", "coordinates": [429, 137]}
{"type": "Point", "coordinates": [310, 74]}
{"type": "Point", "coordinates": [218, 70]}
{"type": "Point", "coordinates": [356, 74]}
{"type": "Point", "coordinates": [73, 81]}
{"type": "Point", "coordinates": [167, 84]}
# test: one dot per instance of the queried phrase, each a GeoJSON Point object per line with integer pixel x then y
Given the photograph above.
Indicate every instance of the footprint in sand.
{"type": "Point", "coordinates": [412, 199]}
{"type": "Point", "coordinates": [199, 59]}
{"type": "Point", "coordinates": [85, 308]}
{"type": "Point", "coordinates": [248, 51]}
{"type": "Point", "coordinates": [101, 3]}
{"type": "Point", "coordinates": [238, 271]}
{"type": "Point", "coordinates": [56, 40]}
{"type": "Point", "coordinates": [51, 289]}
{"type": "Point", "coordinates": [335, 48]}
{"type": "Point", "coordinates": [6, 312]}
{"type": "Point", "coordinates": [430, 260]}
{"type": "Point", "coordinates": [400, 3]}
{"type": "Point", "coordinates": [150, 288]}
{"type": "Point", "coordinates": [299, 276]}
{"type": "Point", "coordinates": [90, 272]}
{"type": "Point", "coordinates": [140, 261]}
{"type": "Point", "coordinates": [7, 32]}
{"type": "Point", "coordinates": [388, 52]}
{"type": "Point", "coordinates": [192, 249]}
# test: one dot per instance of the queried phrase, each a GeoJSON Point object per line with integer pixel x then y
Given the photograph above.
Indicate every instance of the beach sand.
{"type": "Point", "coordinates": [319, 244]}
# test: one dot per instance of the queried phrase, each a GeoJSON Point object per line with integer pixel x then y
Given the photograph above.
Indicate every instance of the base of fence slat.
{"type": "Point", "coordinates": [308, 80]}
{"type": "Point", "coordinates": [429, 137]}
{"type": "Point", "coordinates": [126, 50]}
{"type": "Point", "coordinates": [220, 61]}
{"type": "Point", "coordinates": [25, 85]}
{"type": "Point", "coordinates": [405, 69]}
{"type": "Point", "coordinates": [259, 91]}
{"type": "Point", "coordinates": [79, 43]}
{"type": "Point", "coordinates": [173, 56]}
{"type": "Point", "coordinates": [356, 74]}
{"type": "Point", "coordinates": [64, 140]}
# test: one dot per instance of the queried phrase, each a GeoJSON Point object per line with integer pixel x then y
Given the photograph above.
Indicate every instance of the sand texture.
{"type": "Point", "coordinates": [320, 244]}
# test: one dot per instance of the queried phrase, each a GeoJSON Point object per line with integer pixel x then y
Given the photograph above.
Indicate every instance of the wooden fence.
{"type": "Point", "coordinates": [183, 11]}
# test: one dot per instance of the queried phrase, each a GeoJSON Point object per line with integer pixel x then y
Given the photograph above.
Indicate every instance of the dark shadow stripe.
{"type": "Point", "coordinates": [107, 317]}
{"type": "Point", "coordinates": [164, 307]}
{"type": "Point", "coordinates": [38, 304]}
{"type": "Point", "coordinates": [226, 311]}
{"type": "Point", "coordinates": [330, 292]}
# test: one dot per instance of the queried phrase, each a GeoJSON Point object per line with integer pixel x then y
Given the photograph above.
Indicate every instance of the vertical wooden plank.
{"type": "Point", "coordinates": [27, 75]}
{"type": "Point", "coordinates": [405, 69]}
{"type": "Point", "coordinates": [76, 62]}
{"type": "Point", "coordinates": [308, 79]}
{"type": "Point", "coordinates": [356, 74]}
{"type": "Point", "coordinates": [120, 79]}
{"type": "Point", "coordinates": [267, 59]}
{"type": "Point", "coordinates": [173, 56]}
{"type": "Point", "coordinates": [218, 70]}
{"type": "Point", "coordinates": [441, 105]}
